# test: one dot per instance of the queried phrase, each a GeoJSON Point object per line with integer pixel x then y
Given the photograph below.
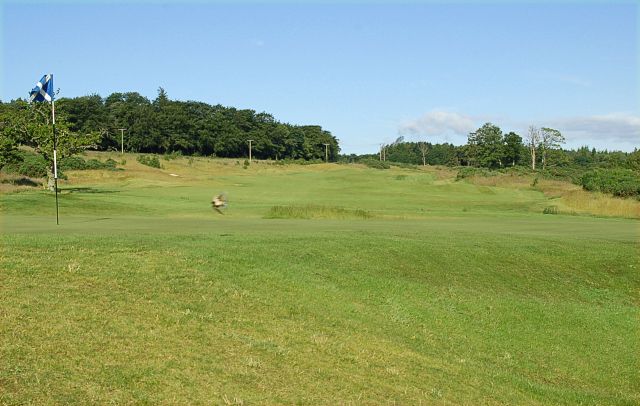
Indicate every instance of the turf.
{"type": "Point", "coordinates": [447, 293]}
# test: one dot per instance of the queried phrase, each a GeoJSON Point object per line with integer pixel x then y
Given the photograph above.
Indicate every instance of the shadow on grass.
{"type": "Point", "coordinates": [24, 181]}
{"type": "Point", "coordinates": [86, 190]}
{"type": "Point", "coordinates": [92, 220]}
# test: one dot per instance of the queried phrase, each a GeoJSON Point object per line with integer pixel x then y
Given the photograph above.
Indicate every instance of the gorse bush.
{"type": "Point", "coordinates": [35, 166]}
{"type": "Point", "coordinates": [618, 182]}
{"type": "Point", "coordinates": [372, 163]}
{"type": "Point", "coordinates": [470, 171]}
{"type": "Point", "coordinates": [76, 163]}
{"type": "Point", "coordinates": [404, 165]}
{"type": "Point", "coordinates": [172, 155]}
{"type": "Point", "coordinates": [288, 161]}
{"type": "Point", "coordinates": [30, 164]}
{"type": "Point", "coordinates": [149, 160]}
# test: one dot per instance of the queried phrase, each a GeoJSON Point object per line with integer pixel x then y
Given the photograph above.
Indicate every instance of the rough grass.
{"type": "Point", "coordinates": [570, 198]}
{"type": "Point", "coordinates": [311, 211]}
{"type": "Point", "coordinates": [452, 293]}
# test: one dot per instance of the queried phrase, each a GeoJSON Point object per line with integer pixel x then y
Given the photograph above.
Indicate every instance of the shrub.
{"type": "Point", "coordinates": [404, 165]}
{"type": "Point", "coordinates": [535, 182]}
{"type": "Point", "coordinates": [76, 163]}
{"type": "Point", "coordinates": [151, 161]}
{"type": "Point", "coordinates": [618, 182]}
{"type": "Point", "coordinates": [372, 163]}
{"type": "Point", "coordinates": [550, 210]}
{"type": "Point", "coordinates": [73, 163]}
{"type": "Point", "coordinates": [172, 155]}
{"type": "Point", "coordinates": [31, 165]}
{"type": "Point", "coordinates": [569, 174]}
{"type": "Point", "coordinates": [470, 171]}
{"type": "Point", "coordinates": [299, 161]}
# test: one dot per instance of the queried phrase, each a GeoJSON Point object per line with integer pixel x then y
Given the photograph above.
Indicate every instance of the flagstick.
{"type": "Point", "coordinates": [55, 163]}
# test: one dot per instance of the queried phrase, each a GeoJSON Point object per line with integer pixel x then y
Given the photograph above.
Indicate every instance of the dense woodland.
{"type": "Point", "coordinates": [192, 128]}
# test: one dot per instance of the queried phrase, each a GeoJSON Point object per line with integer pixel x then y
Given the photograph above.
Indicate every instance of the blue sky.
{"type": "Point", "coordinates": [367, 72]}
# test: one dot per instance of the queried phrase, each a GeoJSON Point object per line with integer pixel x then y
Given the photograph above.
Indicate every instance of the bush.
{"type": "Point", "coordinates": [372, 163]}
{"type": "Point", "coordinates": [404, 165]}
{"type": "Point", "coordinates": [75, 163]}
{"type": "Point", "coordinates": [550, 210]}
{"type": "Point", "coordinates": [151, 161]}
{"type": "Point", "coordinates": [299, 161]}
{"type": "Point", "coordinates": [618, 182]}
{"type": "Point", "coordinates": [470, 171]}
{"type": "Point", "coordinates": [172, 155]}
{"type": "Point", "coordinates": [569, 174]}
{"type": "Point", "coordinates": [32, 165]}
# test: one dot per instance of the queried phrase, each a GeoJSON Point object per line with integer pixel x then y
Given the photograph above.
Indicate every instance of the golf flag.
{"type": "Point", "coordinates": [43, 90]}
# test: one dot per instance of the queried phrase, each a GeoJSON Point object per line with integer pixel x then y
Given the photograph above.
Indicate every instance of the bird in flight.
{"type": "Point", "coordinates": [219, 202]}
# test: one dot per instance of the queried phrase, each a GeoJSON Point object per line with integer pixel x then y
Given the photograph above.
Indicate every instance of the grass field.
{"type": "Point", "coordinates": [321, 284]}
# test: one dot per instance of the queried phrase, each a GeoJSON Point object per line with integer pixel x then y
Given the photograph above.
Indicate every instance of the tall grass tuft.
{"type": "Point", "coordinates": [316, 212]}
{"type": "Point", "coordinates": [600, 204]}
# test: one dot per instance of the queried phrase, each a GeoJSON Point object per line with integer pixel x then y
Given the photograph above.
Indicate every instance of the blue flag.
{"type": "Point", "coordinates": [43, 90]}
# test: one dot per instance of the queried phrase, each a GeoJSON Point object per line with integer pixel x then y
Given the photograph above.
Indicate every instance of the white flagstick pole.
{"type": "Point", "coordinates": [55, 158]}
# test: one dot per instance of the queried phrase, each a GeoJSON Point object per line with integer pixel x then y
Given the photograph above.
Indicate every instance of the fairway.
{"type": "Point", "coordinates": [321, 284]}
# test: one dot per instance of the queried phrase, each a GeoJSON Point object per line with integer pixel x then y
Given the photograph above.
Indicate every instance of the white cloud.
{"type": "Point", "coordinates": [614, 131]}
{"type": "Point", "coordinates": [443, 126]}
{"type": "Point", "coordinates": [608, 131]}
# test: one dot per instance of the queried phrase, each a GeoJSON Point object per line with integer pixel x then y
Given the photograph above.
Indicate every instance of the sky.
{"type": "Point", "coordinates": [368, 72]}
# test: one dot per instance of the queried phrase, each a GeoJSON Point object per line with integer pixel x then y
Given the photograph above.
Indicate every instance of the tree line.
{"type": "Point", "coordinates": [165, 126]}
{"type": "Point", "coordinates": [488, 147]}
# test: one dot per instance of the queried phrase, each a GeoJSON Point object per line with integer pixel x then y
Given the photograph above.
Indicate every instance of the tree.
{"type": "Point", "coordinates": [471, 149]}
{"type": "Point", "coordinates": [512, 147]}
{"type": "Point", "coordinates": [164, 125]}
{"type": "Point", "coordinates": [549, 139]}
{"type": "Point", "coordinates": [31, 124]}
{"type": "Point", "coordinates": [634, 160]}
{"type": "Point", "coordinates": [424, 148]}
{"type": "Point", "coordinates": [489, 145]}
{"type": "Point", "coordinates": [532, 140]}
{"type": "Point", "coordinates": [9, 137]}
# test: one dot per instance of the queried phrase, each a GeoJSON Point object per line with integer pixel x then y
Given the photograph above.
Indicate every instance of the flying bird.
{"type": "Point", "coordinates": [219, 202]}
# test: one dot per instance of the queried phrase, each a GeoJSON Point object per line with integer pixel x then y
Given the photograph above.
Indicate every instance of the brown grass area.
{"type": "Point", "coordinates": [187, 169]}
{"type": "Point", "coordinates": [15, 183]}
{"type": "Point", "coordinates": [600, 204]}
{"type": "Point", "coordinates": [441, 172]}
{"type": "Point", "coordinates": [569, 198]}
